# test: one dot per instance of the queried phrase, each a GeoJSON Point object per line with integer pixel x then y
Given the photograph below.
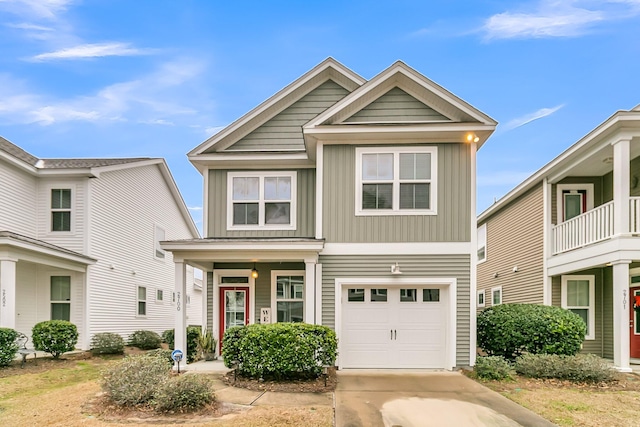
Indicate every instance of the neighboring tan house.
{"type": "Point", "coordinates": [569, 236]}
{"type": "Point", "coordinates": [347, 203]}
{"type": "Point", "coordinates": [79, 241]}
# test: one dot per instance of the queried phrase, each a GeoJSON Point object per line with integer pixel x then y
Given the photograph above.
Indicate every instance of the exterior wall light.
{"type": "Point", "coordinates": [254, 271]}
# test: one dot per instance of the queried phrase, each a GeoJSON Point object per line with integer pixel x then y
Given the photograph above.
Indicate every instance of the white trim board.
{"type": "Point", "coordinates": [410, 248]}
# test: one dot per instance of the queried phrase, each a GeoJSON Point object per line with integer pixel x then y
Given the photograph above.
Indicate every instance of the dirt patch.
{"type": "Point", "coordinates": [318, 385]}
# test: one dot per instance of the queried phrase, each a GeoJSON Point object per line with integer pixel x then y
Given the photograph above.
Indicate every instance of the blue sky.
{"type": "Point", "coordinates": [116, 78]}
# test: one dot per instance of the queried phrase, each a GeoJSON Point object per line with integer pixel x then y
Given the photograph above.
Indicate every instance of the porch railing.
{"type": "Point", "coordinates": [634, 214]}
{"type": "Point", "coordinates": [590, 227]}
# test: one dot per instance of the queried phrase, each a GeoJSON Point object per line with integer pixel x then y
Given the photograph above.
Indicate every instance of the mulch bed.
{"type": "Point", "coordinates": [294, 386]}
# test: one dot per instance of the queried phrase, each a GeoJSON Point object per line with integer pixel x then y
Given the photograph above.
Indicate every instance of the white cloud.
{"type": "Point", "coordinates": [28, 26]}
{"type": "Point", "coordinates": [92, 50]}
{"type": "Point", "coordinates": [558, 18]}
{"type": "Point", "coordinates": [528, 118]}
{"type": "Point", "coordinates": [42, 9]}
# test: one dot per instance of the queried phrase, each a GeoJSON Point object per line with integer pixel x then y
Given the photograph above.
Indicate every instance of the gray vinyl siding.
{"type": "Point", "coordinates": [446, 266]}
{"type": "Point", "coordinates": [396, 106]}
{"type": "Point", "coordinates": [602, 345]}
{"type": "Point", "coordinates": [515, 237]}
{"type": "Point", "coordinates": [284, 130]}
{"type": "Point", "coordinates": [305, 201]}
{"type": "Point", "coordinates": [262, 294]}
{"type": "Point", "coordinates": [451, 224]}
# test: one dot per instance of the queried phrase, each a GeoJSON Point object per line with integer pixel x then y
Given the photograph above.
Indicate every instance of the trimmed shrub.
{"type": "Point", "coordinates": [55, 337]}
{"type": "Point", "coordinates": [509, 330]}
{"type": "Point", "coordinates": [161, 353]}
{"type": "Point", "coordinates": [280, 350]}
{"type": "Point", "coordinates": [107, 343]}
{"type": "Point", "coordinates": [193, 334]}
{"type": "Point", "coordinates": [184, 393]}
{"type": "Point", "coordinates": [134, 380]}
{"type": "Point", "coordinates": [145, 340]}
{"type": "Point", "coordinates": [8, 346]}
{"type": "Point", "coordinates": [580, 368]}
{"type": "Point", "coordinates": [493, 368]}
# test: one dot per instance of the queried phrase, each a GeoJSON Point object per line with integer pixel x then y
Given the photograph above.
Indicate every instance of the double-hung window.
{"type": "Point", "coordinates": [61, 209]}
{"type": "Point", "coordinates": [142, 301]}
{"type": "Point", "coordinates": [60, 298]}
{"type": "Point", "coordinates": [259, 200]}
{"type": "Point", "coordinates": [482, 243]}
{"type": "Point", "coordinates": [396, 181]}
{"type": "Point", "coordinates": [288, 289]}
{"type": "Point", "coordinates": [578, 295]}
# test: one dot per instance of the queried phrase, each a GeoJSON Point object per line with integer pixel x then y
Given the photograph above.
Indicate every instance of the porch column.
{"type": "Point", "coordinates": [8, 293]}
{"type": "Point", "coordinates": [547, 241]}
{"type": "Point", "coordinates": [621, 302]}
{"type": "Point", "coordinates": [621, 174]}
{"type": "Point", "coordinates": [180, 296]}
{"type": "Point", "coordinates": [309, 291]}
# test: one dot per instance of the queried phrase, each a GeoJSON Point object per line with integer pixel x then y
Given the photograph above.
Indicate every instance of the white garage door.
{"type": "Point", "coordinates": [393, 327]}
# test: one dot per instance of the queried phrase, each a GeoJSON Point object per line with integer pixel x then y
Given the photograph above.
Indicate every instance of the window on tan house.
{"type": "Point", "coordinates": [480, 299]}
{"type": "Point", "coordinates": [578, 295]}
{"type": "Point", "coordinates": [496, 295]}
{"type": "Point", "coordinates": [482, 243]}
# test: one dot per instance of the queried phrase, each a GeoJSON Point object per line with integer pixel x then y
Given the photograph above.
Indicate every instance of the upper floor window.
{"type": "Point", "coordinates": [261, 200]}
{"type": "Point", "coordinates": [61, 209]}
{"type": "Point", "coordinates": [396, 180]}
{"type": "Point", "coordinates": [482, 243]}
{"type": "Point", "coordinates": [573, 200]}
{"type": "Point", "coordinates": [160, 235]}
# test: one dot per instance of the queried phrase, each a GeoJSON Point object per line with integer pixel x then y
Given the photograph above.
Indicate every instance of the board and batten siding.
{"type": "Point", "coordinates": [602, 345]}
{"type": "Point", "coordinates": [428, 266]}
{"type": "Point", "coordinates": [397, 106]}
{"type": "Point", "coordinates": [126, 205]}
{"type": "Point", "coordinates": [451, 224]}
{"type": "Point", "coordinates": [305, 206]}
{"type": "Point", "coordinates": [18, 195]}
{"type": "Point", "coordinates": [284, 130]}
{"type": "Point", "coordinates": [515, 237]}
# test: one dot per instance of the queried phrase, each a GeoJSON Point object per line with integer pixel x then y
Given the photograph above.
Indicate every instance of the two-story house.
{"type": "Point", "coordinates": [347, 203]}
{"type": "Point", "coordinates": [568, 236]}
{"type": "Point", "coordinates": [79, 241]}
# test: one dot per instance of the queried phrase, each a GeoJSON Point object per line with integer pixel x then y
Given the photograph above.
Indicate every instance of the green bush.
{"type": "Point", "coordinates": [161, 353]}
{"type": "Point", "coordinates": [509, 330]}
{"type": "Point", "coordinates": [54, 337]}
{"type": "Point", "coordinates": [145, 340]}
{"type": "Point", "coordinates": [8, 346]}
{"type": "Point", "coordinates": [493, 368]}
{"type": "Point", "coordinates": [280, 350]}
{"type": "Point", "coordinates": [580, 368]}
{"type": "Point", "coordinates": [107, 343]}
{"type": "Point", "coordinates": [134, 380]}
{"type": "Point", "coordinates": [184, 393]}
{"type": "Point", "coordinates": [193, 334]}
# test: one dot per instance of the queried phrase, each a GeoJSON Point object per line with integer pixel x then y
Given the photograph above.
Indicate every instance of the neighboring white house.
{"type": "Point", "coordinates": [79, 241]}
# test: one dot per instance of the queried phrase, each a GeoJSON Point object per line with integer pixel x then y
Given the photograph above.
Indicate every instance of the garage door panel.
{"type": "Point", "coordinates": [374, 357]}
{"type": "Point", "coordinates": [357, 315]}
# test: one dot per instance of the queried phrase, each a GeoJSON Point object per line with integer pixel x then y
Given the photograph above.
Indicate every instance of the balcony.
{"type": "Point", "coordinates": [592, 226]}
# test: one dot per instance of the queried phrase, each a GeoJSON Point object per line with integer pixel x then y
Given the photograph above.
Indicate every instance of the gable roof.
{"type": "Point", "coordinates": [622, 124]}
{"type": "Point", "coordinates": [329, 69]}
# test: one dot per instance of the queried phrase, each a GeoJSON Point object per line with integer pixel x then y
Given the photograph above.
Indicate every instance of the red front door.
{"type": "Point", "coordinates": [634, 324]}
{"type": "Point", "coordinates": [234, 308]}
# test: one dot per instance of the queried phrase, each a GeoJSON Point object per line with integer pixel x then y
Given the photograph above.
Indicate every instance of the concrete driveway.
{"type": "Point", "coordinates": [408, 399]}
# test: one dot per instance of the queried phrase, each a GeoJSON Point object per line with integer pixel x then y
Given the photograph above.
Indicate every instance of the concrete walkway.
{"type": "Point", "coordinates": [410, 399]}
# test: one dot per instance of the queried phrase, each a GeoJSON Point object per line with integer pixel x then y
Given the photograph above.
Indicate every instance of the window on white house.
{"type": "Point", "coordinates": [142, 301]}
{"type": "Point", "coordinates": [482, 243]}
{"type": "Point", "coordinates": [61, 209]}
{"type": "Point", "coordinates": [481, 296]}
{"type": "Point", "coordinates": [578, 295]}
{"type": "Point", "coordinates": [496, 295]}
{"type": "Point", "coordinates": [261, 200]}
{"type": "Point", "coordinates": [289, 290]}
{"type": "Point", "coordinates": [400, 181]}
{"type": "Point", "coordinates": [61, 298]}
{"type": "Point", "coordinates": [160, 236]}
{"type": "Point", "coordinates": [159, 295]}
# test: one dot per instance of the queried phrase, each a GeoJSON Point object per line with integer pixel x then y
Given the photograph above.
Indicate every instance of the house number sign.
{"type": "Point", "coordinates": [624, 299]}
{"type": "Point", "coordinates": [178, 301]}
{"type": "Point", "coordinates": [4, 297]}
{"type": "Point", "coordinates": [265, 315]}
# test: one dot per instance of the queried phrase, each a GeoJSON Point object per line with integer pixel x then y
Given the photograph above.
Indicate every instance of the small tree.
{"type": "Point", "coordinates": [55, 337]}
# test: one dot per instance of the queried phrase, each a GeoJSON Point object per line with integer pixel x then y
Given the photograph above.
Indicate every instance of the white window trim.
{"type": "Point", "coordinates": [592, 300]}
{"type": "Point", "coordinates": [482, 230]}
{"type": "Point", "coordinates": [160, 301]}
{"type": "Point", "coordinates": [261, 208]}
{"type": "Point", "coordinates": [484, 298]}
{"type": "Point", "coordinates": [274, 291]}
{"type": "Point", "coordinates": [494, 289]}
{"type": "Point", "coordinates": [138, 300]}
{"type": "Point", "coordinates": [433, 181]}
{"type": "Point", "coordinates": [68, 302]}
{"type": "Point", "coordinates": [156, 243]}
{"type": "Point", "coordinates": [559, 202]}
{"type": "Point", "coordinates": [72, 210]}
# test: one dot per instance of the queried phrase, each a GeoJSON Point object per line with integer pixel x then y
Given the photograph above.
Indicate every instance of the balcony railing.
{"type": "Point", "coordinates": [590, 227]}
{"type": "Point", "coordinates": [634, 214]}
